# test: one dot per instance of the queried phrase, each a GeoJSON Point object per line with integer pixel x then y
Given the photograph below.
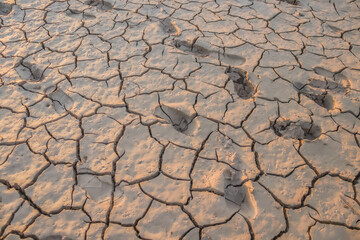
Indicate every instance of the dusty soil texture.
{"type": "Point", "coordinates": [179, 119]}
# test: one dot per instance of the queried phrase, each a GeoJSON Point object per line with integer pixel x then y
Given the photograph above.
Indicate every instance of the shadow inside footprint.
{"type": "Point", "coordinates": [231, 59]}
{"type": "Point", "coordinates": [323, 72]}
{"type": "Point", "coordinates": [311, 131]}
{"type": "Point", "coordinates": [61, 101]}
{"type": "Point", "coordinates": [88, 16]}
{"type": "Point", "coordinates": [240, 195]}
{"type": "Point", "coordinates": [316, 90]}
{"type": "Point", "coordinates": [296, 130]}
{"type": "Point", "coordinates": [330, 85]}
{"type": "Point", "coordinates": [323, 99]}
{"type": "Point", "coordinates": [169, 26]}
{"type": "Point", "coordinates": [292, 2]}
{"type": "Point", "coordinates": [335, 29]}
{"type": "Point", "coordinates": [56, 237]}
{"type": "Point", "coordinates": [5, 9]}
{"type": "Point", "coordinates": [74, 13]}
{"type": "Point", "coordinates": [195, 49]}
{"type": "Point", "coordinates": [233, 194]}
{"type": "Point", "coordinates": [101, 4]}
{"type": "Point", "coordinates": [242, 85]}
{"type": "Point", "coordinates": [97, 189]}
{"type": "Point", "coordinates": [30, 72]}
{"type": "Point", "coordinates": [179, 120]}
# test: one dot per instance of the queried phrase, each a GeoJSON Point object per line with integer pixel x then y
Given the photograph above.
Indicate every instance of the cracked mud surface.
{"type": "Point", "coordinates": [129, 119]}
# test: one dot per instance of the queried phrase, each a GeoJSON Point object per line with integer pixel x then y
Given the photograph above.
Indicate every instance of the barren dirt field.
{"type": "Point", "coordinates": [180, 119]}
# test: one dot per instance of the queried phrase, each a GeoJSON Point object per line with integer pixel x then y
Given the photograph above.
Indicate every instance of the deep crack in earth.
{"type": "Point", "coordinates": [179, 119]}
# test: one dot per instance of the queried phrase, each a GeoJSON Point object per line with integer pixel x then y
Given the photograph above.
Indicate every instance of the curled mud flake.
{"type": "Point", "coordinates": [168, 26]}
{"type": "Point", "coordinates": [5, 9]}
{"type": "Point", "coordinates": [243, 87]}
{"type": "Point", "coordinates": [195, 49]}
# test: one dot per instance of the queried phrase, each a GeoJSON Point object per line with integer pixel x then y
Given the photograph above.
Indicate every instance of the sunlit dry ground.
{"type": "Point", "coordinates": [179, 119]}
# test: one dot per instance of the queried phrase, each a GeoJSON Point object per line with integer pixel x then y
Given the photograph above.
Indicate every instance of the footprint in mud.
{"type": "Point", "coordinates": [205, 237]}
{"type": "Point", "coordinates": [191, 48]}
{"type": "Point", "coordinates": [56, 237]}
{"type": "Point", "coordinates": [242, 85]}
{"type": "Point", "coordinates": [88, 16]}
{"type": "Point", "coordinates": [333, 81]}
{"type": "Point", "coordinates": [61, 101]}
{"type": "Point", "coordinates": [296, 130]}
{"type": "Point", "coordinates": [316, 91]}
{"type": "Point", "coordinates": [30, 72]}
{"type": "Point", "coordinates": [292, 2]}
{"type": "Point", "coordinates": [197, 50]}
{"type": "Point", "coordinates": [177, 118]}
{"type": "Point", "coordinates": [73, 13]}
{"type": "Point", "coordinates": [231, 59]}
{"type": "Point", "coordinates": [323, 72]}
{"type": "Point", "coordinates": [335, 29]}
{"type": "Point", "coordinates": [96, 188]}
{"type": "Point", "coordinates": [239, 195]}
{"type": "Point", "coordinates": [324, 100]}
{"type": "Point", "coordinates": [329, 85]}
{"type": "Point", "coordinates": [5, 9]}
{"type": "Point", "coordinates": [170, 27]}
{"type": "Point", "coordinates": [100, 4]}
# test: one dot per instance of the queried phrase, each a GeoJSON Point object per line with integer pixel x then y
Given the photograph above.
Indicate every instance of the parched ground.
{"type": "Point", "coordinates": [179, 119]}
